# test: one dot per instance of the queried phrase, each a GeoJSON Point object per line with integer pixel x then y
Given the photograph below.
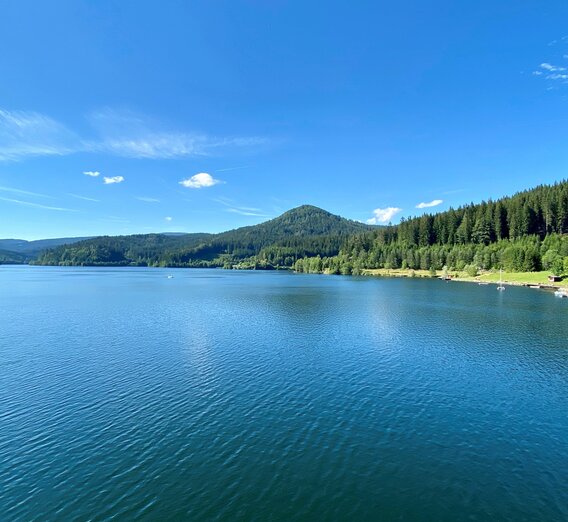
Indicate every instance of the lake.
{"type": "Point", "coordinates": [227, 395]}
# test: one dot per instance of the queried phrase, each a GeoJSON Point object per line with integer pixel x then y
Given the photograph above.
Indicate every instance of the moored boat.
{"type": "Point", "coordinates": [501, 287]}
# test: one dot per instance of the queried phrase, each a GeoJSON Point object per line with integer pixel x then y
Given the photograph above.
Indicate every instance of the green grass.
{"type": "Point", "coordinates": [530, 278]}
{"type": "Point", "coordinates": [517, 278]}
{"type": "Point", "coordinates": [397, 272]}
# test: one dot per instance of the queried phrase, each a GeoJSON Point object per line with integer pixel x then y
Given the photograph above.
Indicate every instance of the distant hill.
{"type": "Point", "coordinates": [8, 257]}
{"type": "Point", "coordinates": [300, 232]}
{"type": "Point", "coordinates": [137, 250]}
{"type": "Point", "coordinates": [18, 251]}
{"type": "Point", "coordinates": [22, 246]}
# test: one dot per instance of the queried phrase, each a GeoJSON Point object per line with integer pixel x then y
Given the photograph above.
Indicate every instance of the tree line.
{"type": "Point", "coordinates": [301, 232]}
{"type": "Point", "coordinates": [521, 233]}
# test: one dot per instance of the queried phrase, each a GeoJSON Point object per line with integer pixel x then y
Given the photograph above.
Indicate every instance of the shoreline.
{"type": "Point", "coordinates": [536, 280]}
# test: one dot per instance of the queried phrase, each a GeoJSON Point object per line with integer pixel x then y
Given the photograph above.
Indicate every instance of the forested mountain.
{"type": "Point", "coordinates": [136, 250]}
{"type": "Point", "coordinates": [525, 232]}
{"type": "Point", "coordinates": [300, 232]}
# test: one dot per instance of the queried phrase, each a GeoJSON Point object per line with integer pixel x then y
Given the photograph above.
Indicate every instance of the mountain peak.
{"type": "Point", "coordinates": [299, 232]}
{"type": "Point", "coordinates": [307, 208]}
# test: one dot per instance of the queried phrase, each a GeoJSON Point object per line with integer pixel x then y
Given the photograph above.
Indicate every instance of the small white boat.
{"type": "Point", "coordinates": [483, 283]}
{"type": "Point", "coordinates": [501, 287]}
{"type": "Point", "coordinates": [170, 277]}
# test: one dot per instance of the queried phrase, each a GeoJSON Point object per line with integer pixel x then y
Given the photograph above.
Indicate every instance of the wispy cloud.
{"type": "Point", "coordinates": [112, 179]}
{"type": "Point", "coordinates": [169, 218]}
{"type": "Point", "coordinates": [383, 215]}
{"type": "Point", "coordinates": [128, 134]}
{"type": "Point", "coordinates": [230, 203]}
{"type": "Point", "coordinates": [559, 40]}
{"type": "Point", "coordinates": [136, 136]}
{"type": "Point", "coordinates": [28, 133]}
{"type": "Point", "coordinates": [244, 212]}
{"type": "Point", "coordinates": [155, 146]}
{"type": "Point", "coordinates": [147, 200]}
{"type": "Point", "coordinates": [433, 203]}
{"type": "Point", "coordinates": [201, 180]}
{"type": "Point", "coordinates": [551, 68]}
{"type": "Point", "coordinates": [85, 198]}
{"type": "Point", "coordinates": [231, 168]}
{"type": "Point", "coordinates": [237, 209]}
{"type": "Point", "coordinates": [36, 205]}
{"type": "Point", "coordinates": [555, 73]}
{"type": "Point", "coordinates": [92, 173]}
{"type": "Point", "coordinates": [114, 219]}
{"type": "Point", "coordinates": [557, 76]}
{"type": "Point", "coordinates": [170, 145]}
{"type": "Point", "coordinates": [224, 201]}
{"type": "Point", "coordinates": [24, 192]}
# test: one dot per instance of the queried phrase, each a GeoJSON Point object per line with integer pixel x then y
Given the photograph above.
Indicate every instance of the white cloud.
{"type": "Point", "coordinates": [92, 173]}
{"type": "Point", "coordinates": [148, 200]}
{"type": "Point", "coordinates": [555, 73]}
{"type": "Point", "coordinates": [36, 205]}
{"type": "Point", "coordinates": [551, 68]}
{"type": "Point", "coordinates": [433, 203]}
{"type": "Point", "coordinates": [168, 218]}
{"type": "Point", "coordinates": [113, 179]}
{"type": "Point", "coordinates": [200, 180]}
{"type": "Point", "coordinates": [383, 215]}
{"type": "Point", "coordinates": [557, 76]}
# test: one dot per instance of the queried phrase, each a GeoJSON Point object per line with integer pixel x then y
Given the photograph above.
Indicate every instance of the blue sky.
{"type": "Point", "coordinates": [207, 116]}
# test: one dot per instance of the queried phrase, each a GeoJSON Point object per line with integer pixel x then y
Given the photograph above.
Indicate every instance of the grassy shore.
{"type": "Point", "coordinates": [510, 278]}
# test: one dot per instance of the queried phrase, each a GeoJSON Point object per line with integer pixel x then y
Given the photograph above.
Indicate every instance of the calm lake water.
{"type": "Point", "coordinates": [219, 395]}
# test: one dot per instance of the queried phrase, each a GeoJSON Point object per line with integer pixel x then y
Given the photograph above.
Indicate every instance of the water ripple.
{"type": "Point", "coordinates": [257, 396]}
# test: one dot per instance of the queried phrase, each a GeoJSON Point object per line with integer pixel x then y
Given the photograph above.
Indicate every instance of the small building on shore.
{"type": "Point", "coordinates": [554, 278]}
